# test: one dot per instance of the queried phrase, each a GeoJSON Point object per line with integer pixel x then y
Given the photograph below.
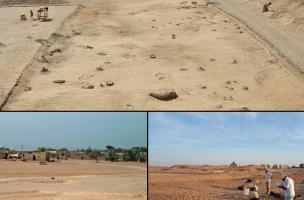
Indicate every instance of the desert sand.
{"type": "Point", "coordinates": [213, 182]}
{"type": "Point", "coordinates": [72, 179]}
{"type": "Point", "coordinates": [111, 54]}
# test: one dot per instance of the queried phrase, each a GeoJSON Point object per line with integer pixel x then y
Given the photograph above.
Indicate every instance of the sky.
{"type": "Point", "coordinates": [219, 138]}
{"type": "Point", "coordinates": [72, 129]}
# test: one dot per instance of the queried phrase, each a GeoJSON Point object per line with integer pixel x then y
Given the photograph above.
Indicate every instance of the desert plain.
{"type": "Point", "coordinates": [181, 182]}
{"type": "Point", "coordinates": [113, 54]}
{"type": "Point", "coordinates": [72, 179]}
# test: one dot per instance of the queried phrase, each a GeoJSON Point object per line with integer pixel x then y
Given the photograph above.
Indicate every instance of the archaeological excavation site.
{"type": "Point", "coordinates": [151, 55]}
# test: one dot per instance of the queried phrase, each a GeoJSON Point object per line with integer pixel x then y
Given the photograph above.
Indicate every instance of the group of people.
{"type": "Point", "coordinates": [288, 186]}
{"type": "Point", "coordinates": [252, 189]}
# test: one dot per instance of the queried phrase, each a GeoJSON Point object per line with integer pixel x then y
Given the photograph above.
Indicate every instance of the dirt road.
{"type": "Point", "coordinates": [285, 42]}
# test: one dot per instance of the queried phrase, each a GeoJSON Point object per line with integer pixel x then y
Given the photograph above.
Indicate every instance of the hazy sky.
{"type": "Point", "coordinates": [220, 138]}
{"type": "Point", "coordinates": [72, 130]}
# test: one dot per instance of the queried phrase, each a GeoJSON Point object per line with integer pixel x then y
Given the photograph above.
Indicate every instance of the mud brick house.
{"type": "Point", "coordinates": [36, 156]}
{"type": "Point", "coordinates": [3, 154]}
{"type": "Point", "coordinates": [79, 155]}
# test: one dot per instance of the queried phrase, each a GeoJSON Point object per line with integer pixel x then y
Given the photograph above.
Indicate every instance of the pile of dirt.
{"type": "Point", "coordinates": [31, 2]}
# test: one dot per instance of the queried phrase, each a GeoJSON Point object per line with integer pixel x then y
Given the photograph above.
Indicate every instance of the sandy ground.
{"type": "Point", "coordinates": [208, 182]}
{"type": "Point", "coordinates": [18, 41]}
{"type": "Point", "coordinates": [79, 180]}
{"type": "Point", "coordinates": [211, 62]}
{"type": "Point", "coordinates": [278, 31]}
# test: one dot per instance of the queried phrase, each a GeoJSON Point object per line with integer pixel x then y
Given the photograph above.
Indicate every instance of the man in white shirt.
{"type": "Point", "coordinates": [267, 179]}
{"type": "Point", "coordinates": [288, 186]}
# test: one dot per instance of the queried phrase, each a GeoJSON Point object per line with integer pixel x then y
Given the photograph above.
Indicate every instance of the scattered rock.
{"type": "Point", "coordinates": [194, 2]}
{"type": "Point", "coordinates": [235, 61]}
{"type": "Point", "coordinates": [56, 51]}
{"type": "Point", "coordinates": [183, 69]}
{"type": "Point", "coordinates": [203, 87]}
{"type": "Point", "coordinates": [88, 86]}
{"type": "Point", "coordinates": [41, 41]}
{"type": "Point", "coordinates": [152, 56]}
{"type": "Point", "coordinates": [100, 68]}
{"type": "Point", "coordinates": [228, 98]}
{"type": "Point", "coordinates": [86, 46]}
{"type": "Point", "coordinates": [229, 87]}
{"type": "Point", "coordinates": [102, 53]}
{"type": "Point", "coordinates": [109, 83]}
{"type": "Point", "coordinates": [164, 95]}
{"type": "Point", "coordinates": [173, 36]}
{"type": "Point", "coordinates": [241, 32]}
{"type": "Point", "coordinates": [273, 61]}
{"type": "Point", "coordinates": [59, 81]}
{"type": "Point", "coordinates": [101, 85]}
{"type": "Point", "coordinates": [53, 178]}
{"type": "Point", "coordinates": [201, 69]}
{"type": "Point", "coordinates": [42, 163]}
{"type": "Point", "coordinates": [2, 45]}
{"type": "Point", "coordinates": [219, 106]}
{"type": "Point", "coordinates": [153, 20]}
{"type": "Point", "coordinates": [244, 108]}
{"type": "Point", "coordinates": [228, 82]}
{"type": "Point", "coordinates": [44, 70]}
{"type": "Point", "coordinates": [27, 89]}
{"type": "Point", "coordinates": [245, 88]}
{"type": "Point", "coordinates": [76, 32]}
{"type": "Point", "coordinates": [44, 59]}
{"type": "Point", "coordinates": [107, 62]}
{"type": "Point", "coordinates": [162, 78]}
{"type": "Point", "coordinates": [212, 59]}
{"type": "Point", "coordinates": [213, 29]}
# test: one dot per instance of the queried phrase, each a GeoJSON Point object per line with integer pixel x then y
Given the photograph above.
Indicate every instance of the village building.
{"type": "Point", "coordinates": [79, 155]}
{"type": "Point", "coordinates": [119, 157]}
{"type": "Point", "coordinates": [101, 157]}
{"type": "Point", "coordinates": [59, 155]}
{"type": "Point", "coordinates": [35, 156]}
{"type": "Point", "coordinates": [3, 154]}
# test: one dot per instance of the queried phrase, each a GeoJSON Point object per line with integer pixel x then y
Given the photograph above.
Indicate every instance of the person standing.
{"type": "Point", "coordinates": [288, 186]}
{"type": "Point", "coordinates": [267, 179]}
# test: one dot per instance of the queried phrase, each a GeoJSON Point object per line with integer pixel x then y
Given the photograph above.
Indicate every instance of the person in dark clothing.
{"type": "Point", "coordinates": [266, 7]}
